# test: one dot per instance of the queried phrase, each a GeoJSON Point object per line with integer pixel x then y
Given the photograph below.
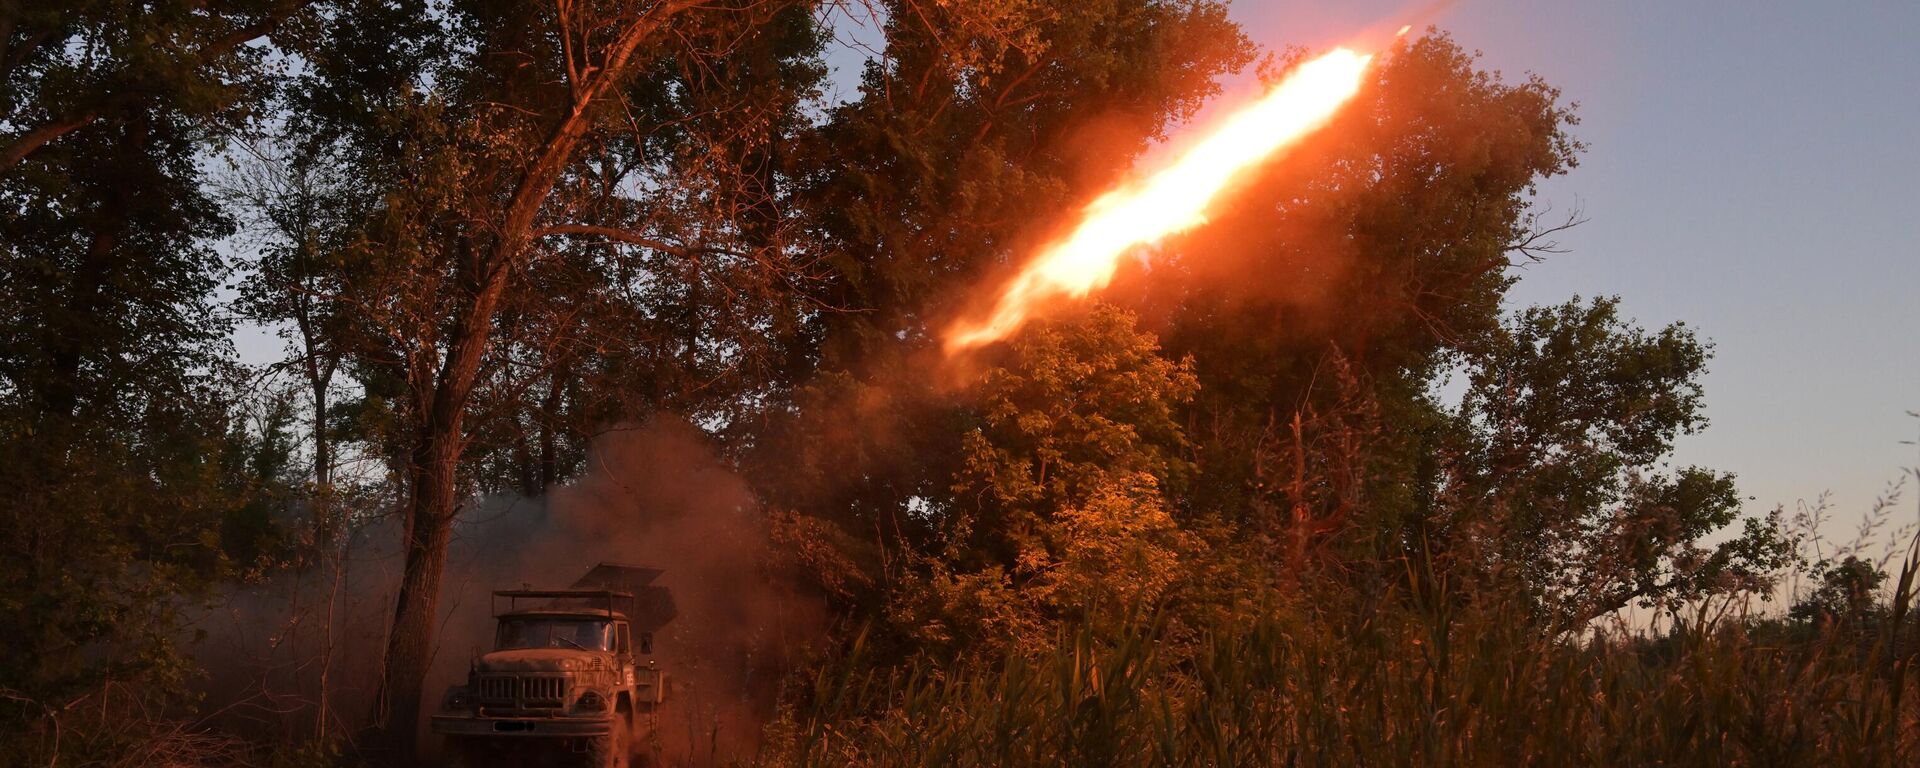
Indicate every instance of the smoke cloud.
{"type": "Point", "coordinates": [656, 496]}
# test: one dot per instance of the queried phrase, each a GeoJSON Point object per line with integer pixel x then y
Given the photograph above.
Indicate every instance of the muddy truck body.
{"type": "Point", "coordinates": [571, 678]}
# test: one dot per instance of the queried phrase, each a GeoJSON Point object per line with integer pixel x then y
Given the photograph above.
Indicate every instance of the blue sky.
{"type": "Point", "coordinates": [1750, 172]}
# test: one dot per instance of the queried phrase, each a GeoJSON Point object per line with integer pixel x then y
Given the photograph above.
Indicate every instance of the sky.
{"type": "Point", "coordinates": [1750, 172]}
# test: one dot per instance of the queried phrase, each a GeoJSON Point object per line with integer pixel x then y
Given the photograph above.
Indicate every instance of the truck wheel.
{"type": "Point", "coordinates": [611, 750]}
{"type": "Point", "coordinates": [639, 743]}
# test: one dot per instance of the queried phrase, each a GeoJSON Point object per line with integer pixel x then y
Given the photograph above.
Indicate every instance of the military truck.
{"type": "Point", "coordinates": [571, 678]}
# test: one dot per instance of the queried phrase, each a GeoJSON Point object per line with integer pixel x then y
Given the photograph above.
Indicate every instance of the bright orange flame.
{"type": "Point", "coordinates": [1172, 200]}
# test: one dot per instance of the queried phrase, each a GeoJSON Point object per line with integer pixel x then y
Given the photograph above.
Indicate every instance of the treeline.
{"type": "Point", "coordinates": [1301, 489]}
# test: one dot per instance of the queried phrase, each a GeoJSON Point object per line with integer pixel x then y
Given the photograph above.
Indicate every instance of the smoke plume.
{"type": "Point", "coordinates": [657, 496]}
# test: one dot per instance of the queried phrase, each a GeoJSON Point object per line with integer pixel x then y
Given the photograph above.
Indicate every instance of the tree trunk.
{"type": "Point", "coordinates": [410, 642]}
{"type": "Point", "coordinates": [319, 379]}
{"type": "Point", "coordinates": [430, 511]}
{"type": "Point", "coordinates": [523, 463]}
{"type": "Point", "coordinates": [549, 437]}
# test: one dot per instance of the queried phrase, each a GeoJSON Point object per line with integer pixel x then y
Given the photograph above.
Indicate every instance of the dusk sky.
{"type": "Point", "coordinates": [1750, 172]}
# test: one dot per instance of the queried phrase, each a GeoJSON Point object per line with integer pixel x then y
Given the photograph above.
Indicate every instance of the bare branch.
{"type": "Point", "coordinates": [1538, 243]}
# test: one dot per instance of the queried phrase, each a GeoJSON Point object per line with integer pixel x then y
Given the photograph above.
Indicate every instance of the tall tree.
{"type": "Point", "coordinates": [976, 121]}
{"type": "Point", "coordinates": [130, 488]}
{"type": "Point", "coordinates": [305, 217]}
{"type": "Point", "coordinates": [540, 175]}
{"type": "Point", "coordinates": [1557, 480]}
{"type": "Point", "coordinates": [1383, 248]}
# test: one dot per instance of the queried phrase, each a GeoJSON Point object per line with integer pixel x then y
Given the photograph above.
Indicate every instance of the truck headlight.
{"type": "Point", "coordinates": [591, 701]}
{"type": "Point", "coordinates": [455, 699]}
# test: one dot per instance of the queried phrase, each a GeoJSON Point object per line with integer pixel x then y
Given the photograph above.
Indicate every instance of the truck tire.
{"type": "Point", "coordinates": [640, 742]}
{"type": "Point", "coordinates": [613, 750]}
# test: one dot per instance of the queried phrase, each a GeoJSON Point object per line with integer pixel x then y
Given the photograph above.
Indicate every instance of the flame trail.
{"type": "Point", "coordinates": [1173, 199]}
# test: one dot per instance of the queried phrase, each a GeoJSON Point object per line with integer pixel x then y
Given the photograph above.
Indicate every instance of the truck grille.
{"type": "Point", "coordinates": [543, 691]}
{"type": "Point", "coordinates": [521, 692]}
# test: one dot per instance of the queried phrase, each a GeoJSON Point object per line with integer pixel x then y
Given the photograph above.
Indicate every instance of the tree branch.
{"type": "Point", "coordinates": [39, 137]}
{"type": "Point", "coordinates": [1538, 242]}
{"type": "Point", "coordinates": [613, 233]}
{"type": "Point", "coordinates": [32, 140]}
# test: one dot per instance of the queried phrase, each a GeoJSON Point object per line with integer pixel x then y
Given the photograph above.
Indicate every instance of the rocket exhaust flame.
{"type": "Point", "coordinates": [1171, 200]}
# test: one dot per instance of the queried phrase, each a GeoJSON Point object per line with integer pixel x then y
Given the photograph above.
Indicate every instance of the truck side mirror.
{"type": "Point", "coordinates": [646, 642]}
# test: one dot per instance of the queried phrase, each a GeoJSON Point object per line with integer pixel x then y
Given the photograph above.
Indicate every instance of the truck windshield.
{"type": "Point", "coordinates": [552, 633]}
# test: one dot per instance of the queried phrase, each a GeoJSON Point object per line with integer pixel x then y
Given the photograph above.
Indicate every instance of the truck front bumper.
{"type": "Point", "coordinates": [470, 725]}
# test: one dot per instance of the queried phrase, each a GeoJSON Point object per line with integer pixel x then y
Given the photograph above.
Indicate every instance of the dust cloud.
{"type": "Point", "coordinates": [657, 496]}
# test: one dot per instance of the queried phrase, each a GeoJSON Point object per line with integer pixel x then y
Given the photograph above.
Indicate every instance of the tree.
{"type": "Point", "coordinates": [978, 120]}
{"type": "Point", "coordinates": [305, 222]}
{"type": "Point", "coordinates": [1847, 595]}
{"type": "Point", "coordinates": [1063, 506]}
{"type": "Point", "coordinates": [528, 192]}
{"type": "Point", "coordinates": [1568, 414]}
{"type": "Point", "coordinates": [1370, 257]}
{"type": "Point", "coordinates": [1383, 248]}
{"type": "Point", "coordinates": [132, 489]}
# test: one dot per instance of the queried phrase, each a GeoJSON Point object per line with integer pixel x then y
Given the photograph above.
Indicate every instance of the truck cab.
{"type": "Point", "coordinates": [568, 679]}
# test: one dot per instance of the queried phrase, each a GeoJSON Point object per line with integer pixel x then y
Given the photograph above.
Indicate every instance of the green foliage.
{"type": "Point", "coordinates": [1847, 593]}
{"type": "Point", "coordinates": [1569, 414]}
{"type": "Point", "coordinates": [1078, 409]}
{"type": "Point", "coordinates": [134, 485]}
{"type": "Point", "coordinates": [1060, 507]}
{"type": "Point", "coordinates": [1431, 568]}
{"type": "Point", "coordinates": [94, 65]}
{"type": "Point", "coordinates": [122, 531]}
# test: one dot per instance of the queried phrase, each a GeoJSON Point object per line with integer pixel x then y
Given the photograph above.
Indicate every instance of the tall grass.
{"type": "Point", "coordinates": [1309, 684]}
